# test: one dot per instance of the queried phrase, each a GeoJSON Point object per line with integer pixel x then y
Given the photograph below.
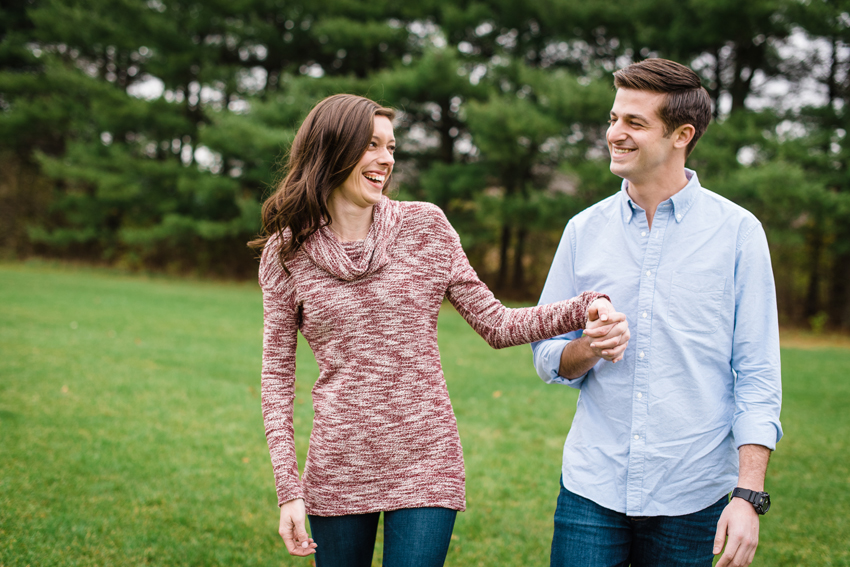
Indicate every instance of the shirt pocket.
{"type": "Point", "coordinates": [695, 301]}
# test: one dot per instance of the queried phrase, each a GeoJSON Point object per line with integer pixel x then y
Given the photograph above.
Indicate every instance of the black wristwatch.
{"type": "Point", "coordinates": [759, 500]}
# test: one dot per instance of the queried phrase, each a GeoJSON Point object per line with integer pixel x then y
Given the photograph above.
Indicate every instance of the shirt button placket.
{"type": "Point", "coordinates": [646, 294]}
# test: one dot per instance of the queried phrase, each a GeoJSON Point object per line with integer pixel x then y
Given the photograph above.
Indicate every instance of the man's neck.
{"type": "Point", "coordinates": [651, 193]}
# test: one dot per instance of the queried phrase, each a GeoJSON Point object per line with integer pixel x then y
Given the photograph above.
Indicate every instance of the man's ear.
{"type": "Point", "coordinates": [683, 135]}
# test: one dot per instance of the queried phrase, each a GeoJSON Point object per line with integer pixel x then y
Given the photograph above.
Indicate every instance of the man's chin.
{"type": "Point", "coordinates": [618, 169]}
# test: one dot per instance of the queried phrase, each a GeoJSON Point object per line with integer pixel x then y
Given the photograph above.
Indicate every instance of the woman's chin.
{"type": "Point", "coordinates": [372, 196]}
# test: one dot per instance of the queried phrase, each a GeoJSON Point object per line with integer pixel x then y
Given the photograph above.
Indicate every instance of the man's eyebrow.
{"type": "Point", "coordinates": [640, 117]}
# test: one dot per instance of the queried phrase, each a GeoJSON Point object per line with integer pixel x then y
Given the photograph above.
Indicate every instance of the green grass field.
{"type": "Point", "coordinates": [131, 433]}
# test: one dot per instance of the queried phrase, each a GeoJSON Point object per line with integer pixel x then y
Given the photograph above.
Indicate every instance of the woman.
{"type": "Point", "coordinates": [363, 277]}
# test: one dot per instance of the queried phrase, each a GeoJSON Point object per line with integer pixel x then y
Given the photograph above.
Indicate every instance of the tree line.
{"type": "Point", "coordinates": [146, 133]}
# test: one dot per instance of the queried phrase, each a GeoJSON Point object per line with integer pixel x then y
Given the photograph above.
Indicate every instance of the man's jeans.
{"type": "Point", "coordinates": [588, 535]}
{"type": "Point", "coordinates": [413, 537]}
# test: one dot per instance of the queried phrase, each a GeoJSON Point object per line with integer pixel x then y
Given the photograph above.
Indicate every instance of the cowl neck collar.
{"type": "Point", "coordinates": [327, 252]}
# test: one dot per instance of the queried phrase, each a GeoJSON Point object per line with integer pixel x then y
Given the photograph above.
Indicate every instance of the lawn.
{"type": "Point", "coordinates": [131, 433]}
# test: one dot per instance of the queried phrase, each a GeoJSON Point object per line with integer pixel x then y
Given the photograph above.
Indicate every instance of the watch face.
{"type": "Point", "coordinates": [764, 505]}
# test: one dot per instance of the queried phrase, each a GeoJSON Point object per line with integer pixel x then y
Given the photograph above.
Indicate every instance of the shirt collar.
{"type": "Point", "coordinates": [681, 201]}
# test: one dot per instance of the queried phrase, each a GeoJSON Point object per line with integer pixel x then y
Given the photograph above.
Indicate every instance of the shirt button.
{"type": "Point", "coordinates": [637, 437]}
{"type": "Point", "coordinates": [678, 217]}
{"type": "Point", "coordinates": [643, 314]}
{"type": "Point", "coordinates": [648, 272]}
{"type": "Point", "coordinates": [643, 233]}
{"type": "Point", "coordinates": [640, 395]}
{"type": "Point", "coordinates": [641, 355]}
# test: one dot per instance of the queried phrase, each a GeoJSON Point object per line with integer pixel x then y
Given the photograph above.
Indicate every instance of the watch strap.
{"type": "Point", "coordinates": [748, 495]}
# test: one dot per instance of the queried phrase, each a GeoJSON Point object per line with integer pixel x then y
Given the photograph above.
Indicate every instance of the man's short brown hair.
{"type": "Point", "coordinates": [685, 101]}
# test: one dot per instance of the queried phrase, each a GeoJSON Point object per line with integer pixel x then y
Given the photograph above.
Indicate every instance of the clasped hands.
{"type": "Point", "coordinates": [607, 330]}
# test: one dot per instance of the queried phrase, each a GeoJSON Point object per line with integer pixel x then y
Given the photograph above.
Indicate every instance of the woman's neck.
{"type": "Point", "coordinates": [349, 221]}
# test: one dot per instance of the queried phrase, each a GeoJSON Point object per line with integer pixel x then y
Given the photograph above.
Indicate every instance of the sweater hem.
{"type": "Point", "coordinates": [453, 504]}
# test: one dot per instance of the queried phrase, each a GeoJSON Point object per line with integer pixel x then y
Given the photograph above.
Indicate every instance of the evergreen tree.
{"type": "Point", "coordinates": [147, 133]}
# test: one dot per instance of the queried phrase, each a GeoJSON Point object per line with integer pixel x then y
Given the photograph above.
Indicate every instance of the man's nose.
{"type": "Point", "coordinates": [615, 132]}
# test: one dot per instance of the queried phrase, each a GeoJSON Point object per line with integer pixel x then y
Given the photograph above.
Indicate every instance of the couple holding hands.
{"type": "Point", "coordinates": [664, 429]}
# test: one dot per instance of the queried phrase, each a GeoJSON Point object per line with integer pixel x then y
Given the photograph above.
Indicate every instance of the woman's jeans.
{"type": "Point", "coordinates": [413, 537]}
{"type": "Point", "coordinates": [588, 535]}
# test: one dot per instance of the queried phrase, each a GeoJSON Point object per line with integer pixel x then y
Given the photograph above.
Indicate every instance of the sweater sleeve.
{"type": "Point", "coordinates": [503, 327]}
{"type": "Point", "coordinates": [280, 316]}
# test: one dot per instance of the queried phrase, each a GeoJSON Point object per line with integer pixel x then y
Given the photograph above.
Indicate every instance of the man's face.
{"type": "Point", "coordinates": [639, 151]}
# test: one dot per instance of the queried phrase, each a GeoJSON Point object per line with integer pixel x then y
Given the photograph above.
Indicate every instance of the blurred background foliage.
{"type": "Point", "coordinates": [146, 134]}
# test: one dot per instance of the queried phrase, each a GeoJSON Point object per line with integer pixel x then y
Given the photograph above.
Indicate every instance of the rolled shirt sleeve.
{"type": "Point", "coordinates": [560, 285]}
{"type": "Point", "coordinates": [755, 345]}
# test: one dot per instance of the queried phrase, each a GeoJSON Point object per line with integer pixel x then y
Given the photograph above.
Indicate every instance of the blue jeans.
{"type": "Point", "coordinates": [588, 535]}
{"type": "Point", "coordinates": [413, 537]}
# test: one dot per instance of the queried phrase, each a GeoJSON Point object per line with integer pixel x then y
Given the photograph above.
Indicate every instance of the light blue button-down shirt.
{"type": "Point", "coordinates": [657, 433]}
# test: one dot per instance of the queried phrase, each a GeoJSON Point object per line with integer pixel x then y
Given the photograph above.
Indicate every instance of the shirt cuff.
{"type": "Point", "coordinates": [547, 361]}
{"type": "Point", "coordinates": [756, 430]}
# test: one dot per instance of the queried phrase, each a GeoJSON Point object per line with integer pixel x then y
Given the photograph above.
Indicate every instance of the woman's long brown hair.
{"type": "Point", "coordinates": [327, 147]}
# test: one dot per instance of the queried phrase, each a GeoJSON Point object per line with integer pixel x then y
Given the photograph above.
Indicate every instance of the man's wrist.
{"type": "Point", "coordinates": [577, 358]}
{"type": "Point", "coordinates": [760, 500]}
{"type": "Point", "coordinates": [588, 351]}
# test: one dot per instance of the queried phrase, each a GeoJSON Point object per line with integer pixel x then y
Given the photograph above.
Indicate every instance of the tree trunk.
{"type": "Point", "coordinates": [718, 83]}
{"type": "Point", "coordinates": [519, 254]}
{"type": "Point", "coordinates": [747, 56]}
{"type": "Point", "coordinates": [447, 143]}
{"type": "Point", "coordinates": [504, 245]}
{"type": "Point", "coordinates": [832, 87]}
{"type": "Point", "coordinates": [811, 306]}
{"type": "Point", "coordinates": [839, 289]}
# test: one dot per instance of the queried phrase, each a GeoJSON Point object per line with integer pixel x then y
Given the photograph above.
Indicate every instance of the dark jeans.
{"type": "Point", "coordinates": [413, 537]}
{"type": "Point", "coordinates": [588, 535]}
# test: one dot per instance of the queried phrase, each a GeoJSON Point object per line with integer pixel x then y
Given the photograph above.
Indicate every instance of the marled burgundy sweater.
{"type": "Point", "coordinates": [384, 434]}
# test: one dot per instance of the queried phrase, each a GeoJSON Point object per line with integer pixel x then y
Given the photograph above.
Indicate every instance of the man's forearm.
{"type": "Point", "coordinates": [577, 358]}
{"type": "Point", "coordinates": [752, 466]}
{"type": "Point", "coordinates": [739, 524]}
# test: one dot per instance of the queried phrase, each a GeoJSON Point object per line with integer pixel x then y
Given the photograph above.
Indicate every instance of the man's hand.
{"type": "Point", "coordinates": [293, 530]}
{"type": "Point", "coordinates": [607, 330]}
{"type": "Point", "coordinates": [740, 523]}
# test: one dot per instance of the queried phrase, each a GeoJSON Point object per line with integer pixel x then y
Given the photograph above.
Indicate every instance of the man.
{"type": "Point", "coordinates": [691, 412]}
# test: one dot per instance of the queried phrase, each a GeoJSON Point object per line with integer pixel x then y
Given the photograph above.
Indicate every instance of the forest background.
{"type": "Point", "coordinates": [146, 134]}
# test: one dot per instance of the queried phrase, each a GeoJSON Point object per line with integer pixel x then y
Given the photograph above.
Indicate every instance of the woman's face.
{"type": "Point", "coordinates": [365, 185]}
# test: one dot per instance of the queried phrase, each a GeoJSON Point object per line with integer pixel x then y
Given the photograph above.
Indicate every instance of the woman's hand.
{"type": "Point", "coordinates": [293, 530]}
{"type": "Point", "coordinates": [607, 330]}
